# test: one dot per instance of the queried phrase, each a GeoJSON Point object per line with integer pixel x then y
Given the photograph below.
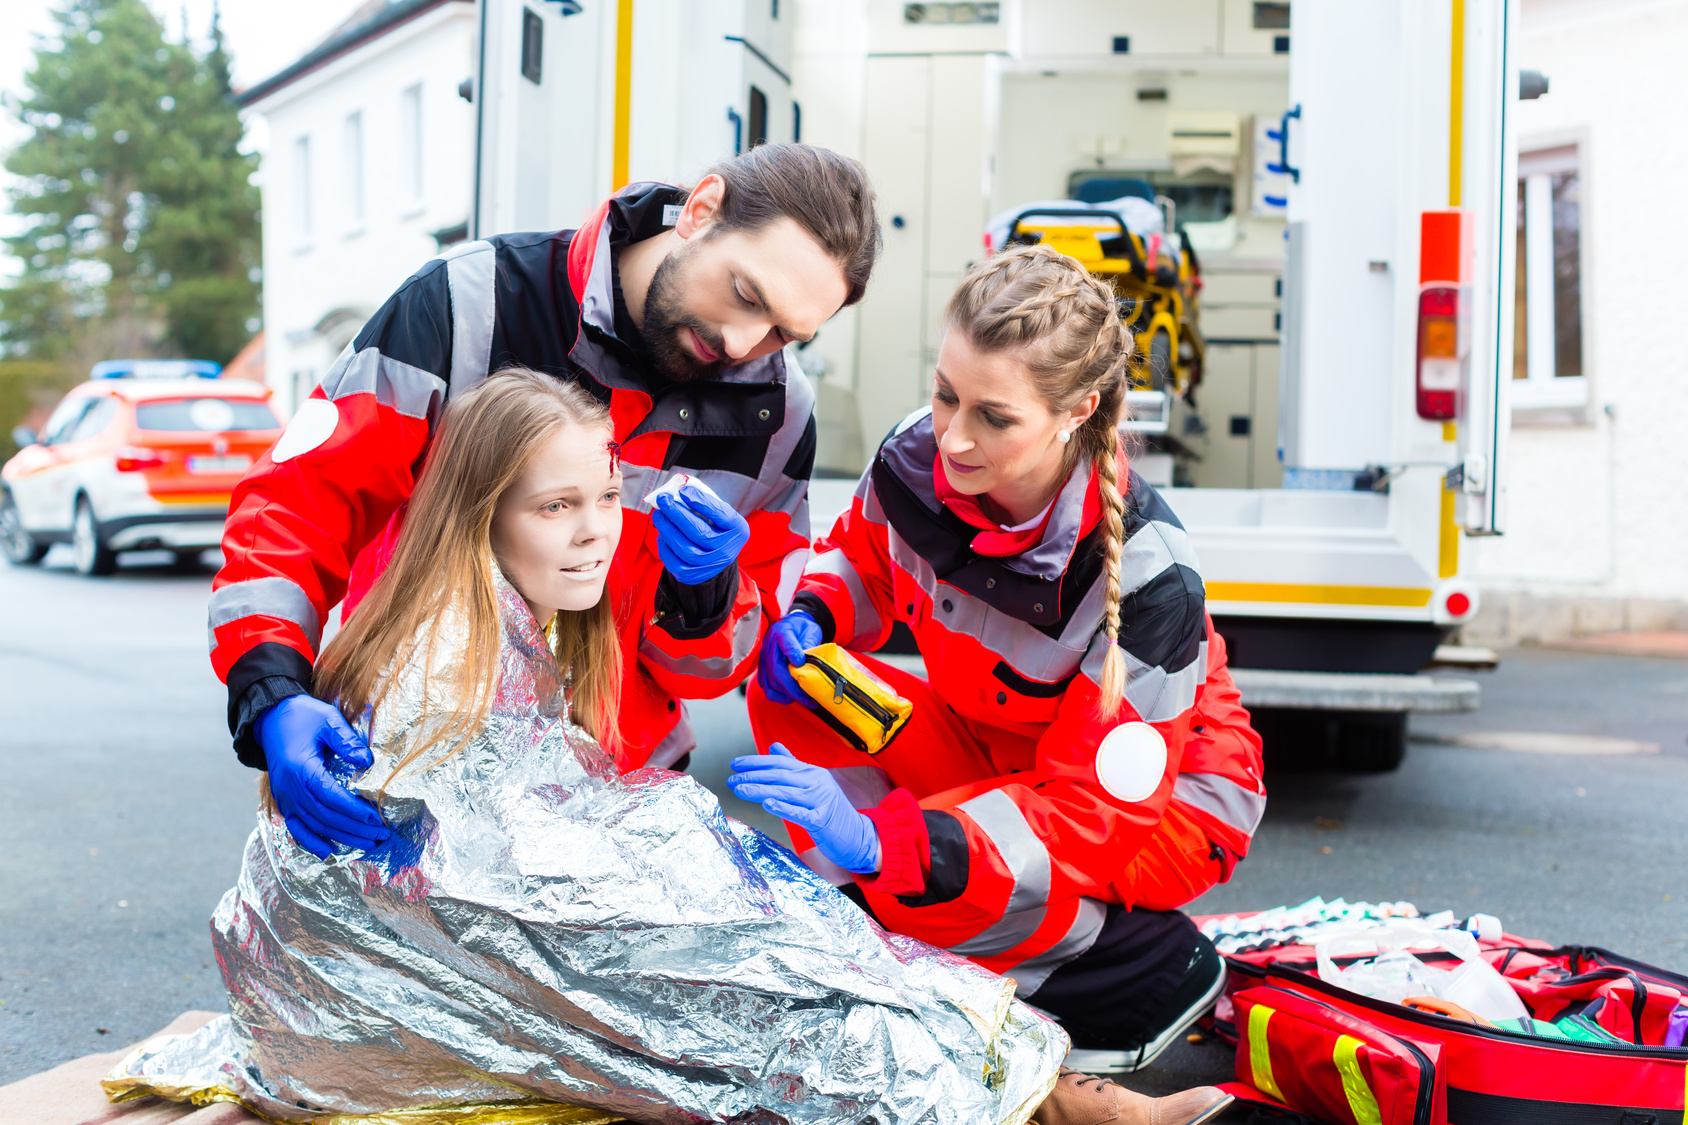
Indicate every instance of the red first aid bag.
{"type": "Point", "coordinates": [1337, 1057]}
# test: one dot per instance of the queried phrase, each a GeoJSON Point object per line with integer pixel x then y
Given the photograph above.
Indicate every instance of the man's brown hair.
{"type": "Point", "coordinates": [826, 194]}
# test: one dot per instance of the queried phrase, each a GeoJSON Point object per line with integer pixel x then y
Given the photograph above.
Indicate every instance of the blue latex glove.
{"type": "Point", "coordinates": [782, 650]}
{"type": "Point", "coordinates": [298, 735]}
{"type": "Point", "coordinates": [808, 796]}
{"type": "Point", "coordinates": [698, 535]}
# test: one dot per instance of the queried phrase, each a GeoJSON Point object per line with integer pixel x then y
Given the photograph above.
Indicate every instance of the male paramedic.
{"type": "Point", "coordinates": [671, 305]}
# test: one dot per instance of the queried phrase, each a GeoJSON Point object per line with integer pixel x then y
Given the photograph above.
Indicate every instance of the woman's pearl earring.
{"type": "Point", "coordinates": [1063, 436]}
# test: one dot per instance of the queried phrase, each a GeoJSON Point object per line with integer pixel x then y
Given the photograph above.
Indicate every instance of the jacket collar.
{"type": "Point", "coordinates": [913, 455]}
{"type": "Point", "coordinates": [745, 400]}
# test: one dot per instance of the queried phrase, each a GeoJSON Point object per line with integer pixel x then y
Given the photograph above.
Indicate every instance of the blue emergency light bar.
{"type": "Point", "coordinates": [156, 369]}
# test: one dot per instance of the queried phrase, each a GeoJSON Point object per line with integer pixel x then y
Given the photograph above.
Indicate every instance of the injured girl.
{"type": "Point", "coordinates": [542, 940]}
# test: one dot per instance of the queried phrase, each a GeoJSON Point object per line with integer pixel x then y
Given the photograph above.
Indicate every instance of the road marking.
{"type": "Point", "coordinates": [1543, 742]}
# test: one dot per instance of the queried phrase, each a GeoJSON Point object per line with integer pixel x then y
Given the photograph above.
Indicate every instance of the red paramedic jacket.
{"type": "Point", "coordinates": [1017, 644]}
{"type": "Point", "coordinates": [317, 517]}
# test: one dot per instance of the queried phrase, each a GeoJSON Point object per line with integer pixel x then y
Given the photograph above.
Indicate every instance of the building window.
{"type": "Point", "coordinates": [533, 46]}
{"type": "Point", "coordinates": [354, 171]}
{"type": "Point", "coordinates": [758, 131]}
{"type": "Point", "coordinates": [410, 143]}
{"type": "Point", "coordinates": [302, 186]}
{"type": "Point", "coordinates": [1547, 351]}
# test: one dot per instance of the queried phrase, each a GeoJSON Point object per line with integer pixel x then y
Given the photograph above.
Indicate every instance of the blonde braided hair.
{"type": "Point", "coordinates": [1065, 326]}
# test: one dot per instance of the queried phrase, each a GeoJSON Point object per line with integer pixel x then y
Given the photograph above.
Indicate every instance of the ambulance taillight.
{"type": "Point", "coordinates": [1439, 373]}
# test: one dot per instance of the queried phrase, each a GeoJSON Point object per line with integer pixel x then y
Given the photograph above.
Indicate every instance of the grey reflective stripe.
{"type": "Point", "coordinates": [837, 563]}
{"type": "Point", "coordinates": [411, 391]}
{"type": "Point", "coordinates": [799, 408]}
{"type": "Point", "coordinates": [1026, 649]}
{"type": "Point", "coordinates": [1007, 932]}
{"type": "Point", "coordinates": [470, 270]}
{"type": "Point", "coordinates": [865, 786]}
{"type": "Point", "coordinates": [1151, 549]}
{"type": "Point", "coordinates": [679, 742]}
{"type": "Point", "coordinates": [999, 818]}
{"type": "Point", "coordinates": [267, 597]}
{"type": "Point", "coordinates": [871, 509]}
{"type": "Point", "coordinates": [1156, 694]}
{"type": "Point", "coordinates": [710, 667]}
{"type": "Point", "coordinates": [1030, 974]}
{"type": "Point", "coordinates": [1221, 798]}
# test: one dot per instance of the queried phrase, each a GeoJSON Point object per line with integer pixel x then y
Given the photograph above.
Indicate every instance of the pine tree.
{"type": "Point", "coordinates": [142, 233]}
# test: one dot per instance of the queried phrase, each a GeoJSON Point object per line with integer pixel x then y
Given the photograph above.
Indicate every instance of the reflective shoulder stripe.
{"type": "Point", "coordinates": [471, 269]}
{"type": "Point", "coordinates": [1260, 1052]}
{"type": "Point", "coordinates": [1030, 974]}
{"type": "Point", "coordinates": [268, 597]}
{"type": "Point", "coordinates": [1361, 1102]}
{"type": "Point", "coordinates": [838, 564]}
{"type": "Point", "coordinates": [1221, 798]}
{"type": "Point", "coordinates": [411, 391]}
{"type": "Point", "coordinates": [1156, 694]}
{"type": "Point", "coordinates": [999, 818]}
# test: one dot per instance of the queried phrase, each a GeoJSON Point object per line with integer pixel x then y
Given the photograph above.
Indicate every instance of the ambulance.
{"type": "Point", "coordinates": [1344, 174]}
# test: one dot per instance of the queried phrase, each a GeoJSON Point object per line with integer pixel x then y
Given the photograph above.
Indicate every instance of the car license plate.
{"type": "Point", "coordinates": [234, 463]}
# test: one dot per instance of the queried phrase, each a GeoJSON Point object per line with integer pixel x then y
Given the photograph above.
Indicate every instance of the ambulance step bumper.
{"type": "Point", "coordinates": [1354, 691]}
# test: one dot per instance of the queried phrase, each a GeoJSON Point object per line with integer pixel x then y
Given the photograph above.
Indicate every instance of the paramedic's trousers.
{"type": "Point", "coordinates": [1138, 957]}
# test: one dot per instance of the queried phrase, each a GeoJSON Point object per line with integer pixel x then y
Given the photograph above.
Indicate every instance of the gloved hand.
{"type": "Point", "coordinates": [698, 534]}
{"type": "Point", "coordinates": [782, 650]}
{"type": "Point", "coordinates": [297, 736]}
{"type": "Point", "coordinates": [808, 796]}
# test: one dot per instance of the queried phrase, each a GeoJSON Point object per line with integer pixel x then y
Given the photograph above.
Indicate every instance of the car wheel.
{"type": "Point", "coordinates": [87, 544]}
{"type": "Point", "coordinates": [18, 545]}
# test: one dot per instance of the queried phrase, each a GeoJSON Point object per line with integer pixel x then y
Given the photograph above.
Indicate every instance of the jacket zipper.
{"type": "Point", "coordinates": [842, 688]}
{"type": "Point", "coordinates": [1426, 1069]}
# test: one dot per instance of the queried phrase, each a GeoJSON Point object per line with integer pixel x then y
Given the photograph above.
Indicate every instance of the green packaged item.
{"type": "Point", "coordinates": [1576, 1029]}
{"type": "Point", "coordinates": [1584, 1030]}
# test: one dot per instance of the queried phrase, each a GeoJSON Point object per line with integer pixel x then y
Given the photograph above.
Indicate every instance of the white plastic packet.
{"type": "Point", "coordinates": [1474, 985]}
{"type": "Point", "coordinates": [673, 485]}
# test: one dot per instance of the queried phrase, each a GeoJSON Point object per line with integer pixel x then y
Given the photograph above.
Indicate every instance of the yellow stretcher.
{"type": "Point", "coordinates": [1156, 282]}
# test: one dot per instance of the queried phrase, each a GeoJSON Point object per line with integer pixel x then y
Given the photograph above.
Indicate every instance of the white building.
{"type": "Point", "coordinates": [1597, 538]}
{"type": "Point", "coordinates": [371, 164]}
{"type": "Point", "coordinates": [368, 173]}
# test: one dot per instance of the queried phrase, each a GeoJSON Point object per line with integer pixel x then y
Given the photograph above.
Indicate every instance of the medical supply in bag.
{"type": "Point", "coordinates": [1388, 1019]}
{"type": "Point", "coordinates": [866, 711]}
{"type": "Point", "coordinates": [1393, 973]}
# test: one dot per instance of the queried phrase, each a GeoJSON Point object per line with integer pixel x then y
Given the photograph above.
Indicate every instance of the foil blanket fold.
{"type": "Point", "coordinates": [539, 928]}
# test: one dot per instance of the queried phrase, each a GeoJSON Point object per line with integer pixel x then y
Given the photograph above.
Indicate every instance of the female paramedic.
{"type": "Point", "coordinates": [1078, 764]}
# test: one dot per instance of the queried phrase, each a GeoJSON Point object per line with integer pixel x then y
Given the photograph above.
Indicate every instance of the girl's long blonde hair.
{"type": "Point", "coordinates": [1065, 326]}
{"type": "Point", "coordinates": [443, 566]}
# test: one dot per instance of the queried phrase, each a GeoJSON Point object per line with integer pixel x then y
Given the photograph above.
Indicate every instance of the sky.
{"type": "Point", "coordinates": [262, 35]}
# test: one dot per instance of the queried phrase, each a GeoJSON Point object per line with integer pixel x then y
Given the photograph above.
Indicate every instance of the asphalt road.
{"type": "Point", "coordinates": [122, 813]}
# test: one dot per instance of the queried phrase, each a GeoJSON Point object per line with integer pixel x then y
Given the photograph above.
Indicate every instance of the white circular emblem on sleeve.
{"type": "Point", "coordinates": [1131, 761]}
{"type": "Point", "coordinates": [311, 426]}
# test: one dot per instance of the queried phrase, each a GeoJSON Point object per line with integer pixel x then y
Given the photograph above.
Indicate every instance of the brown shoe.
{"type": "Point", "coordinates": [1084, 1099]}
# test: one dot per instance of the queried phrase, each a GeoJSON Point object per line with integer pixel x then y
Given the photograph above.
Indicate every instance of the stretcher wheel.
{"type": "Point", "coordinates": [1160, 361]}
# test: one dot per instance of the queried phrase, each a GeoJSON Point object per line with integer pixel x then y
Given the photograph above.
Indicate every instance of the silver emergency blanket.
{"type": "Point", "coordinates": [541, 928]}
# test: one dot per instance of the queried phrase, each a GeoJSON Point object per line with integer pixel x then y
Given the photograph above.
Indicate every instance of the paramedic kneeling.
{"type": "Point", "coordinates": [1078, 764]}
{"type": "Point", "coordinates": [671, 306]}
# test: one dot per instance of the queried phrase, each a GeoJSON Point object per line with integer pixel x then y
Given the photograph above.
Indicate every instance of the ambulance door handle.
{"type": "Point", "coordinates": [1283, 164]}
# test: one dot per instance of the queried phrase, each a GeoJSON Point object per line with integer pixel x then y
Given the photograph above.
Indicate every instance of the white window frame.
{"type": "Point", "coordinates": [1541, 388]}
{"type": "Point", "coordinates": [302, 212]}
{"type": "Point", "coordinates": [353, 172]}
{"type": "Point", "coordinates": [411, 142]}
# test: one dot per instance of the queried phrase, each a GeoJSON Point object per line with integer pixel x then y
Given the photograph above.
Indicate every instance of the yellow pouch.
{"type": "Point", "coordinates": [865, 710]}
